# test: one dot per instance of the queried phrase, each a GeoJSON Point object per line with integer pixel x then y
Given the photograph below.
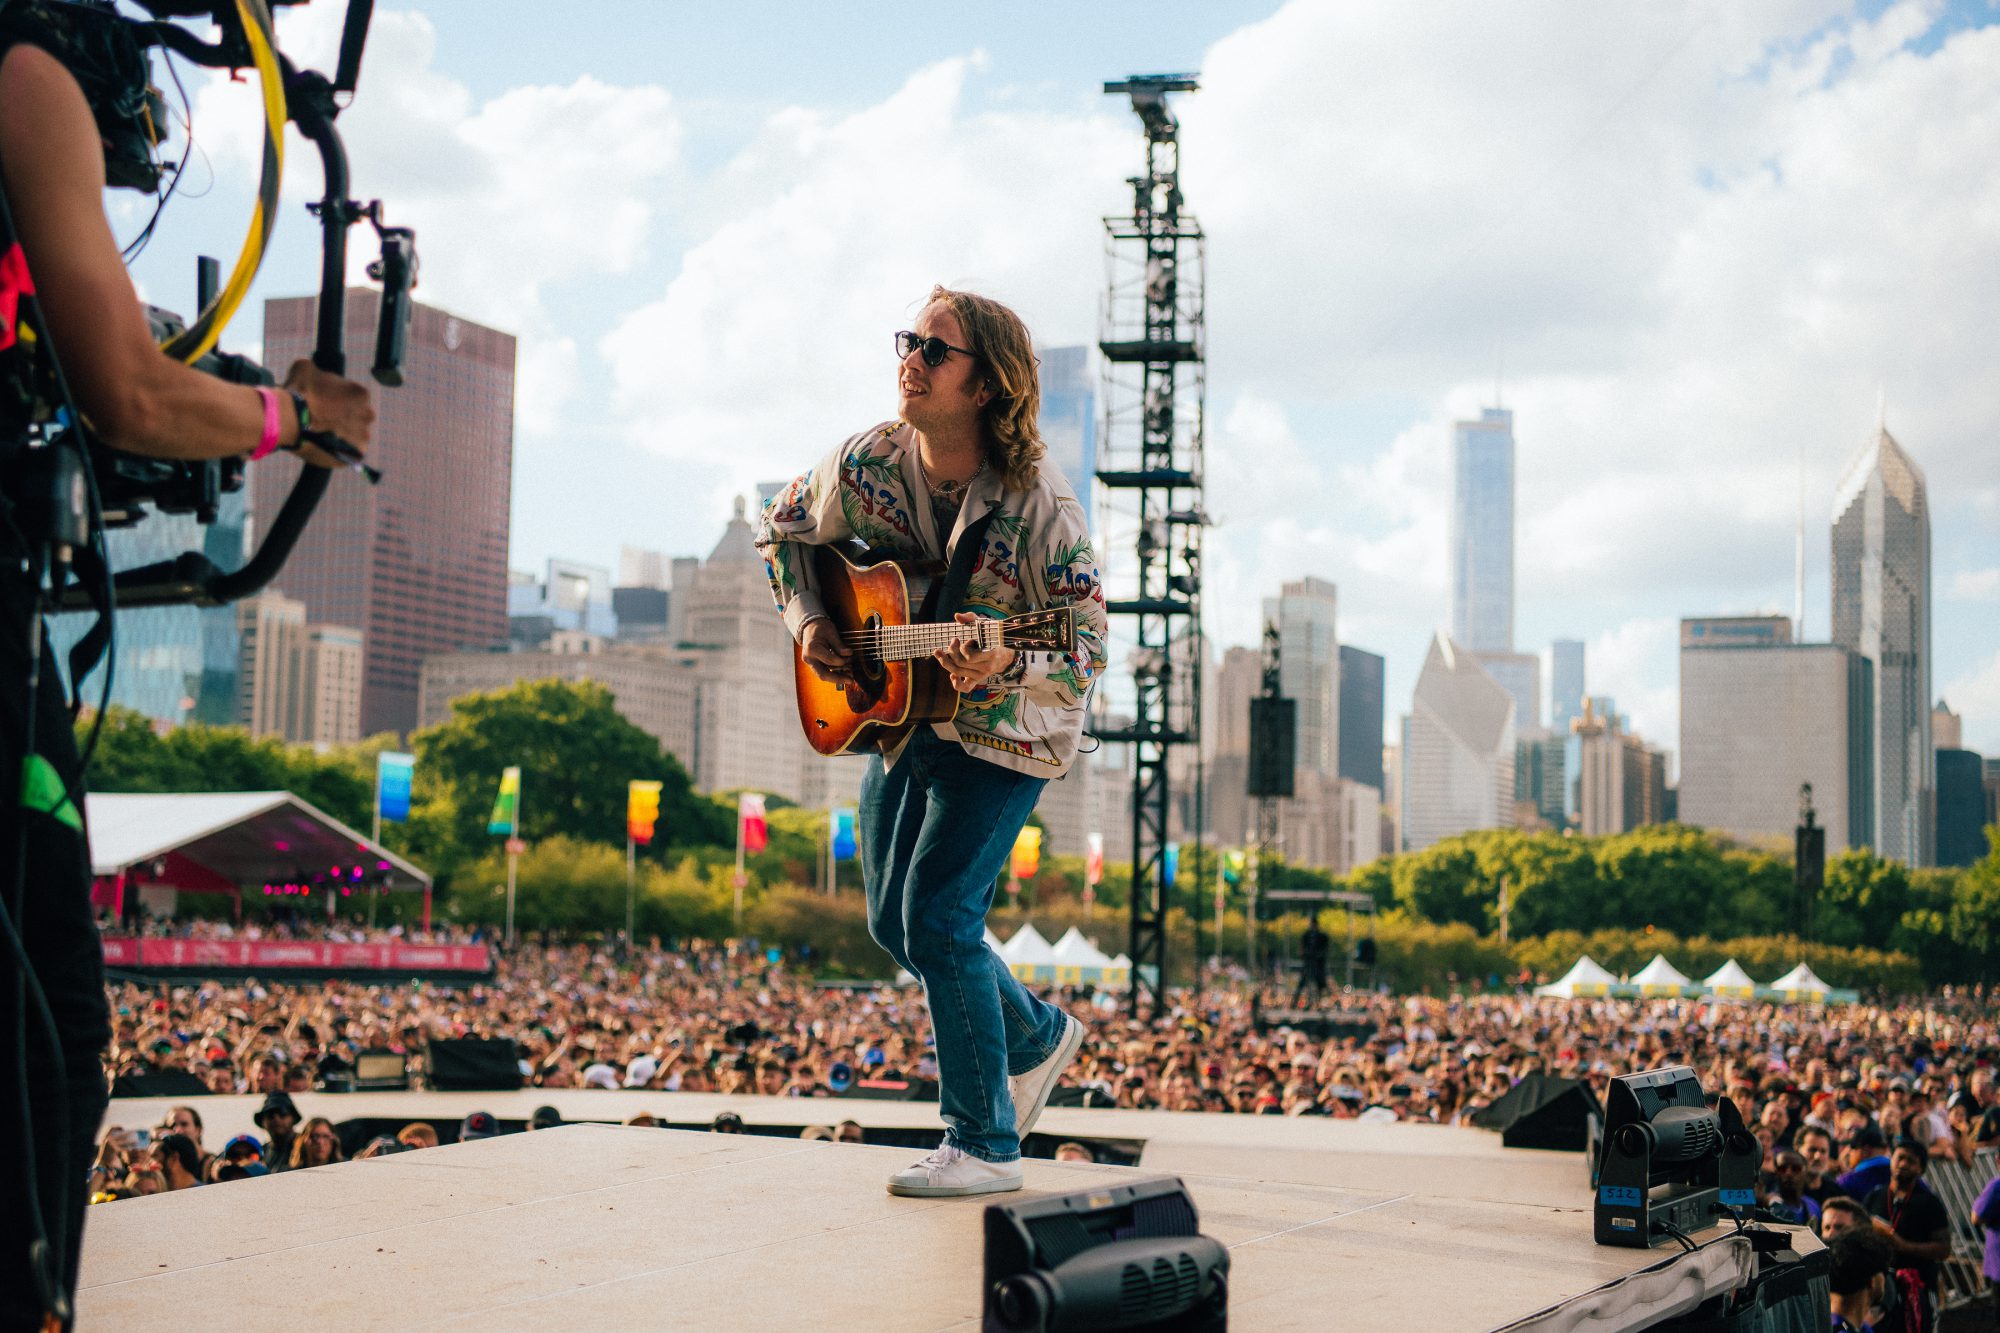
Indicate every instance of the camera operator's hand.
{"type": "Point", "coordinates": [337, 405]}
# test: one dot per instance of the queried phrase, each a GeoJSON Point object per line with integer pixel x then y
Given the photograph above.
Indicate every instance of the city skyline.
{"type": "Point", "coordinates": [1693, 297]}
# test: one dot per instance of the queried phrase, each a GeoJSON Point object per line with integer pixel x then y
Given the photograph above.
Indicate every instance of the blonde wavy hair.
{"type": "Point", "coordinates": [1008, 362]}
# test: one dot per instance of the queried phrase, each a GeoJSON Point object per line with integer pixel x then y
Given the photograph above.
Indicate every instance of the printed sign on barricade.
{"type": "Point", "coordinates": [282, 954]}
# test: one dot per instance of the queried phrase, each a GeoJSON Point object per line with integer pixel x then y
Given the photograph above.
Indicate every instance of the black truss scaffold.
{"type": "Point", "coordinates": [1151, 334]}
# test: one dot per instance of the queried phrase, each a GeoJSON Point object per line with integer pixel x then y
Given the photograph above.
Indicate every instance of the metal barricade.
{"type": "Point", "coordinates": [1958, 1186]}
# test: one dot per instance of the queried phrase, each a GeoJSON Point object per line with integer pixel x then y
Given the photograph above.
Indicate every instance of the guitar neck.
{"type": "Point", "coordinates": [901, 643]}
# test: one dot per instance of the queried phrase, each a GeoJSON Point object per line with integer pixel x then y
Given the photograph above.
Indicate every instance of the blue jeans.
{"type": "Point", "coordinates": [936, 830]}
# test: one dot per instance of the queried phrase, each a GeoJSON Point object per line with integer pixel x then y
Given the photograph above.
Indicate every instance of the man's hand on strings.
{"type": "Point", "coordinates": [831, 660]}
{"type": "Point", "coordinates": [971, 666]}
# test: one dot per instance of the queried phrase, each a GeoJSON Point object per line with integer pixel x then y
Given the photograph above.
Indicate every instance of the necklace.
{"type": "Point", "coordinates": [951, 492]}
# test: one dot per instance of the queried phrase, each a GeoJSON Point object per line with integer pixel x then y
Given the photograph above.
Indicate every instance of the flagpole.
{"type": "Point", "coordinates": [631, 885]}
{"type": "Point", "coordinates": [510, 892]}
{"type": "Point", "coordinates": [737, 881]}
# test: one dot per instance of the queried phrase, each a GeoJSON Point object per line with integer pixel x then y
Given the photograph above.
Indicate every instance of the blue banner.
{"type": "Point", "coordinates": [393, 774]}
{"type": "Point", "coordinates": [842, 824]}
{"type": "Point", "coordinates": [1170, 863]}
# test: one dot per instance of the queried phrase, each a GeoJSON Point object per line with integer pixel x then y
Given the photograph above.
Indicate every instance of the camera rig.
{"type": "Point", "coordinates": [129, 485]}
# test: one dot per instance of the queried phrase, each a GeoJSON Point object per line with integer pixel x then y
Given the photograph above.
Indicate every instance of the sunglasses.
{"type": "Point", "coordinates": [934, 349]}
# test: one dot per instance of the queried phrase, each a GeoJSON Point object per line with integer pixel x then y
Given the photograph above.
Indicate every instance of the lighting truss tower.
{"type": "Point", "coordinates": [1151, 333]}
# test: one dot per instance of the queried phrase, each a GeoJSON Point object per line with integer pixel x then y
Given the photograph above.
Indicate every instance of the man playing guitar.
{"type": "Point", "coordinates": [940, 811]}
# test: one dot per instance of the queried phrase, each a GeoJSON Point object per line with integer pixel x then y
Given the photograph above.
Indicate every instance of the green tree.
{"type": "Point", "coordinates": [576, 754]}
{"type": "Point", "coordinates": [1863, 900]}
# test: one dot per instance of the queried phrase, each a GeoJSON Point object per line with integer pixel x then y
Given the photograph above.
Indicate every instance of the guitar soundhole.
{"type": "Point", "coordinates": [868, 664]}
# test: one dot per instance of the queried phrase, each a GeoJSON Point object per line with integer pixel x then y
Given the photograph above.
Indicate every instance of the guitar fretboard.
{"type": "Point", "coordinates": [900, 643]}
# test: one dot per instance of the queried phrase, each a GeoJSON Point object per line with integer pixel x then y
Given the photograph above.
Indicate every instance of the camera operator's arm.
{"type": "Point", "coordinates": [135, 396]}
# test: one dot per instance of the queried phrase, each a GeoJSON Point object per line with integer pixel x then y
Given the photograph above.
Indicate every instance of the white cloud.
{"type": "Point", "coordinates": [771, 343]}
{"type": "Point", "coordinates": [513, 198]}
{"type": "Point", "coordinates": [1637, 664]}
{"type": "Point", "coordinates": [1976, 585]}
{"type": "Point", "coordinates": [1975, 697]}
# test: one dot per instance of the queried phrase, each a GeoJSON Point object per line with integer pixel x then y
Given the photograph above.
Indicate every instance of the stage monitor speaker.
{"type": "Point", "coordinates": [1544, 1112]}
{"type": "Point", "coordinates": [474, 1064]}
{"type": "Point", "coordinates": [1274, 737]}
{"type": "Point", "coordinates": [1127, 1257]}
{"type": "Point", "coordinates": [160, 1083]}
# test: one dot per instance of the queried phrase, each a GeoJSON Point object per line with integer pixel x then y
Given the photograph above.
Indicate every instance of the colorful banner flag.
{"type": "Point", "coordinates": [1233, 863]}
{"type": "Point", "coordinates": [393, 775]}
{"type": "Point", "coordinates": [642, 811]}
{"type": "Point", "coordinates": [1170, 863]}
{"type": "Point", "coordinates": [507, 806]}
{"type": "Point", "coordinates": [1027, 852]}
{"type": "Point", "coordinates": [1093, 861]}
{"type": "Point", "coordinates": [840, 824]}
{"type": "Point", "coordinates": [752, 832]}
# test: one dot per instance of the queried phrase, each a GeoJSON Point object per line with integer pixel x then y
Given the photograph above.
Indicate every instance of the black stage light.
{"type": "Point", "coordinates": [1670, 1166]}
{"type": "Point", "coordinates": [1129, 1257]}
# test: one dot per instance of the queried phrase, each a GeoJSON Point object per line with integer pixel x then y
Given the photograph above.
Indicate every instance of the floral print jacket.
{"type": "Point", "coordinates": [1035, 553]}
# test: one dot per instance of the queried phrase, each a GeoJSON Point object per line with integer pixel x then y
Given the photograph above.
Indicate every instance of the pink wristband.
{"type": "Point", "coordinates": [270, 440]}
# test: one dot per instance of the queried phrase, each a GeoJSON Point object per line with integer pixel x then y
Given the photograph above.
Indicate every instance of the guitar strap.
{"type": "Point", "coordinates": [948, 594]}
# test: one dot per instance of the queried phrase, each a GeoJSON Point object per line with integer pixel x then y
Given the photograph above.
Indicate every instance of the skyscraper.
{"type": "Point", "coordinates": [1520, 674]}
{"type": "Point", "coordinates": [1566, 683]}
{"type": "Point", "coordinates": [1482, 532]}
{"type": "Point", "coordinates": [418, 563]}
{"type": "Point", "coordinates": [1961, 806]}
{"type": "Point", "coordinates": [1309, 667]}
{"type": "Point", "coordinates": [1361, 674]}
{"type": "Point", "coordinates": [175, 664]}
{"type": "Point", "coordinates": [1761, 719]}
{"type": "Point", "coordinates": [1458, 750]}
{"type": "Point", "coordinates": [1068, 421]}
{"type": "Point", "coordinates": [298, 681]}
{"type": "Point", "coordinates": [1621, 780]}
{"type": "Point", "coordinates": [1882, 611]}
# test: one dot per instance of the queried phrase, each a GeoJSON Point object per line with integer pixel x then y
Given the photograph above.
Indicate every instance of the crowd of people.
{"type": "Point", "coordinates": [1848, 1100]}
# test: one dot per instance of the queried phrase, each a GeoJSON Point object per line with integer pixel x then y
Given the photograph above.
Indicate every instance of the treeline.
{"type": "Point", "coordinates": [1442, 911]}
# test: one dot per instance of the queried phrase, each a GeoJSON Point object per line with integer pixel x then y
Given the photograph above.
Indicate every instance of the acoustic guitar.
{"type": "Point", "coordinates": [897, 685]}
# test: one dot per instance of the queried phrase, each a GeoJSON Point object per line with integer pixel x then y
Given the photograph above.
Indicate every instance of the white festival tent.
{"type": "Point", "coordinates": [1731, 982]}
{"type": "Point", "coordinates": [1586, 978]}
{"type": "Point", "coordinates": [1029, 956]}
{"type": "Point", "coordinates": [1661, 977]}
{"type": "Point", "coordinates": [1800, 983]}
{"type": "Point", "coordinates": [1078, 961]}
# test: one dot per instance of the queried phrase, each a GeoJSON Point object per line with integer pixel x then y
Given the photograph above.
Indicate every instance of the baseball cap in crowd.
{"type": "Point", "coordinates": [545, 1117]}
{"type": "Point", "coordinates": [640, 1072]}
{"type": "Point", "coordinates": [278, 1103]}
{"type": "Point", "coordinates": [478, 1125]}
{"type": "Point", "coordinates": [841, 1076]}
{"type": "Point", "coordinates": [600, 1076]}
{"type": "Point", "coordinates": [875, 1056]}
{"type": "Point", "coordinates": [728, 1122]}
{"type": "Point", "coordinates": [243, 1146]}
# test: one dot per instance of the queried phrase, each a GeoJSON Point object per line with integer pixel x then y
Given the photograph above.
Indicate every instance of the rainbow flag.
{"type": "Point", "coordinates": [507, 806]}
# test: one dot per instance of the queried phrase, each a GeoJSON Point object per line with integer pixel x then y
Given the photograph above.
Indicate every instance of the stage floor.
{"type": "Point", "coordinates": [1330, 1224]}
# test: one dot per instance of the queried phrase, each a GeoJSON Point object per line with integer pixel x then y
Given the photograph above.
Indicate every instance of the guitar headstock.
{"type": "Point", "coordinates": [1050, 631]}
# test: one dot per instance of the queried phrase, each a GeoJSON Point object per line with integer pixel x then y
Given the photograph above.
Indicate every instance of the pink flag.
{"type": "Point", "coordinates": [750, 819]}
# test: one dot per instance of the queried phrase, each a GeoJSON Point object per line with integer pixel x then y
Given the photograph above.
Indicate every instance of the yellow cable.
{"type": "Point", "coordinates": [208, 326]}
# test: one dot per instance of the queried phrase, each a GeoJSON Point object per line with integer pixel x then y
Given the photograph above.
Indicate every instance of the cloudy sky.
{"type": "Point", "coordinates": [1692, 246]}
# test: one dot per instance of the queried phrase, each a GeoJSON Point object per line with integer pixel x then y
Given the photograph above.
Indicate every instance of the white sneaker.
{"type": "Point", "coordinates": [948, 1173]}
{"type": "Point", "coordinates": [1031, 1090]}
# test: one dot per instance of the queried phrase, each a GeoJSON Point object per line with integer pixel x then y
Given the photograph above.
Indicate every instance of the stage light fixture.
{"type": "Point", "coordinates": [1127, 1257]}
{"type": "Point", "coordinates": [1669, 1164]}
